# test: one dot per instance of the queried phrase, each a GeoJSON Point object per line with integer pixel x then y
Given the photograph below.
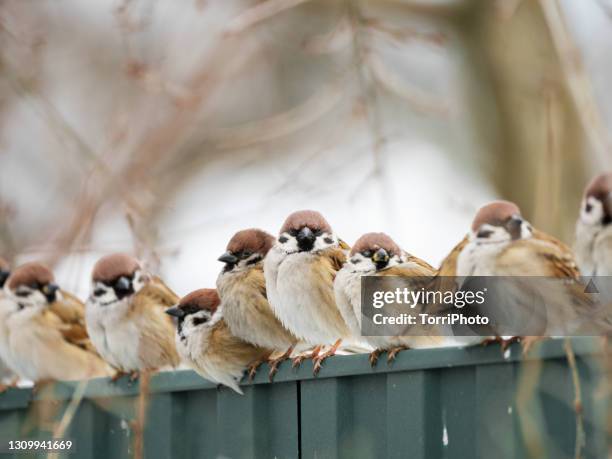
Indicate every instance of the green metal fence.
{"type": "Point", "coordinates": [440, 403]}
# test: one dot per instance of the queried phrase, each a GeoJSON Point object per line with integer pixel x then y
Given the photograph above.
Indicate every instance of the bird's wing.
{"type": "Point", "coordinates": [444, 279]}
{"type": "Point", "coordinates": [68, 316]}
{"type": "Point", "coordinates": [448, 267]}
{"type": "Point", "coordinates": [158, 293]}
{"type": "Point", "coordinates": [148, 306]}
{"type": "Point", "coordinates": [336, 257]}
{"type": "Point", "coordinates": [413, 267]}
{"type": "Point", "coordinates": [538, 256]}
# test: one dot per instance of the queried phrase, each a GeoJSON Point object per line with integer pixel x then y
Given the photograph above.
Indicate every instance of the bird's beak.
{"type": "Point", "coordinates": [4, 275]}
{"type": "Point", "coordinates": [305, 239]}
{"type": "Point", "coordinates": [514, 226]}
{"type": "Point", "coordinates": [123, 284]}
{"type": "Point", "coordinates": [380, 258]}
{"type": "Point", "coordinates": [50, 292]}
{"type": "Point", "coordinates": [228, 258]}
{"type": "Point", "coordinates": [175, 311]}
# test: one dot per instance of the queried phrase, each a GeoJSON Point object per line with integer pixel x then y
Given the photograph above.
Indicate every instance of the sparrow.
{"type": "Point", "coordinates": [125, 317]}
{"type": "Point", "coordinates": [594, 228]}
{"type": "Point", "coordinates": [206, 343]}
{"type": "Point", "coordinates": [376, 254]}
{"type": "Point", "coordinates": [43, 334]}
{"type": "Point", "coordinates": [242, 287]}
{"type": "Point", "coordinates": [502, 243]}
{"type": "Point", "coordinates": [300, 270]}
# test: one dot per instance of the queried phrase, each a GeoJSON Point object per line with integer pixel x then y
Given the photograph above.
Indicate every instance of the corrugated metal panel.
{"type": "Point", "coordinates": [441, 403]}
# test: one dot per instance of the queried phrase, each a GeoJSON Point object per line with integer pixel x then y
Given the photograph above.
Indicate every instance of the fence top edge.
{"type": "Point", "coordinates": [337, 366]}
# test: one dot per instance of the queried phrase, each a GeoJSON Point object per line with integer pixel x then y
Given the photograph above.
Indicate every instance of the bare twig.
{"type": "Point", "coordinates": [580, 435]}
{"type": "Point", "coordinates": [138, 425]}
{"type": "Point", "coordinates": [261, 12]}
{"type": "Point", "coordinates": [578, 82]}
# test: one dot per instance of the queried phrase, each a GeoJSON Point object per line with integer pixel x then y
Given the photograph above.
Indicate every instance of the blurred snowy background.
{"type": "Point", "coordinates": [162, 127]}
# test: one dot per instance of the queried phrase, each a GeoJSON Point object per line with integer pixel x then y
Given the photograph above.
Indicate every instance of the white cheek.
{"type": "Point", "coordinates": [140, 279]}
{"type": "Point", "coordinates": [525, 231]}
{"type": "Point", "coordinates": [290, 245]}
{"type": "Point", "coordinates": [320, 243]}
{"type": "Point", "coordinates": [595, 215]}
{"type": "Point", "coordinates": [36, 299]}
{"type": "Point", "coordinates": [359, 263]}
{"type": "Point", "coordinates": [108, 296]}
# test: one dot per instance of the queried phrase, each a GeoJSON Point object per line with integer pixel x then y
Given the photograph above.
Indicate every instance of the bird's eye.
{"type": "Point", "coordinates": [293, 232]}
{"type": "Point", "coordinates": [282, 239]}
{"type": "Point", "coordinates": [367, 253]}
{"type": "Point", "coordinates": [317, 232]}
{"type": "Point", "coordinates": [22, 293]}
{"type": "Point", "coordinates": [246, 253]}
{"type": "Point", "coordinates": [588, 207]}
{"type": "Point", "coordinates": [99, 292]}
{"type": "Point", "coordinates": [484, 233]}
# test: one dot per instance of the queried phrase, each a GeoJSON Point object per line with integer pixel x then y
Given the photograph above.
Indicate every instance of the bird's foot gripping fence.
{"type": "Point", "coordinates": [451, 402]}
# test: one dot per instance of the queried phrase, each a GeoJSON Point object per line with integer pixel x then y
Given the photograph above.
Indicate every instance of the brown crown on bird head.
{"type": "Point", "coordinates": [30, 274]}
{"type": "Point", "coordinates": [203, 299]}
{"type": "Point", "coordinates": [111, 267]}
{"type": "Point", "coordinates": [375, 241]}
{"type": "Point", "coordinates": [496, 213]}
{"type": "Point", "coordinates": [306, 218]}
{"type": "Point", "coordinates": [253, 240]}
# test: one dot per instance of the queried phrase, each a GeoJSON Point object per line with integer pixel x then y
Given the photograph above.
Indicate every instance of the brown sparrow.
{"type": "Point", "coordinates": [502, 243]}
{"type": "Point", "coordinates": [300, 269]}
{"type": "Point", "coordinates": [242, 288]}
{"type": "Point", "coordinates": [205, 342]}
{"type": "Point", "coordinates": [125, 316]}
{"type": "Point", "coordinates": [594, 228]}
{"type": "Point", "coordinates": [40, 339]}
{"type": "Point", "coordinates": [376, 254]}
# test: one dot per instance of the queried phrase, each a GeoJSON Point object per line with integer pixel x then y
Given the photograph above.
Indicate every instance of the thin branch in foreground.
{"type": "Point", "coordinates": [261, 12]}
{"type": "Point", "coordinates": [580, 435]}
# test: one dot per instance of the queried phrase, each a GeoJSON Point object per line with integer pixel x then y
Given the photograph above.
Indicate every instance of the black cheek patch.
{"type": "Point", "coordinates": [328, 240]}
{"type": "Point", "coordinates": [254, 261]}
{"type": "Point", "coordinates": [355, 261]}
{"type": "Point", "coordinates": [282, 239]}
{"type": "Point", "coordinates": [199, 321]}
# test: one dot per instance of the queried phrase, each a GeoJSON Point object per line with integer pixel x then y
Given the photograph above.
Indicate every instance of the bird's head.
{"type": "Point", "coordinates": [32, 285]}
{"type": "Point", "coordinates": [246, 249]}
{"type": "Point", "coordinates": [194, 310]}
{"type": "Point", "coordinates": [499, 222]}
{"type": "Point", "coordinates": [116, 277]}
{"type": "Point", "coordinates": [596, 206]}
{"type": "Point", "coordinates": [374, 252]}
{"type": "Point", "coordinates": [306, 231]}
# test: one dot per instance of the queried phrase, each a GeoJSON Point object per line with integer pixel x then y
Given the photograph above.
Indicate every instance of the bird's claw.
{"type": "Point", "coordinates": [253, 367]}
{"type": "Point", "coordinates": [505, 343]}
{"type": "Point", "coordinates": [392, 353]}
{"type": "Point", "coordinates": [373, 358]}
{"type": "Point", "coordinates": [117, 376]}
